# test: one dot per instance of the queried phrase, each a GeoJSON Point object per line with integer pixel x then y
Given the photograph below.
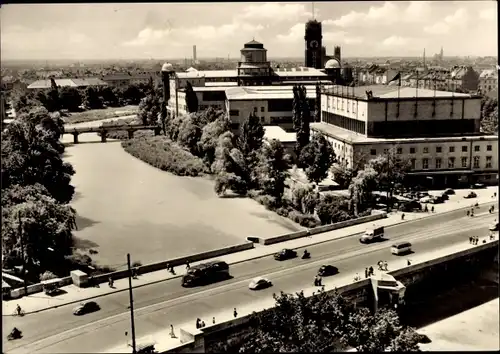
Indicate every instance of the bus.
{"type": "Point", "coordinates": [206, 273]}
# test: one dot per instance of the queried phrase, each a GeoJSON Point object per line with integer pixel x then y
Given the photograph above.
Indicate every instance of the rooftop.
{"type": "Point", "coordinates": [389, 92]}
{"type": "Point", "coordinates": [351, 137]}
{"type": "Point", "coordinates": [265, 92]}
{"type": "Point", "coordinates": [278, 133]}
{"type": "Point", "coordinates": [45, 84]}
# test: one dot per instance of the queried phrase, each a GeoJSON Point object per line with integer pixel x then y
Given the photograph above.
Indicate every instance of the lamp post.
{"type": "Point", "coordinates": [166, 70]}
{"type": "Point", "coordinates": [20, 230]}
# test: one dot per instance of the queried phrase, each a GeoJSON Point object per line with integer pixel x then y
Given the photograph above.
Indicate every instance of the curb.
{"type": "Point", "coordinates": [241, 261]}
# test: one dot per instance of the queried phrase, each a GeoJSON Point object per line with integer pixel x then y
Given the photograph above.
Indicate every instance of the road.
{"type": "Point", "coordinates": [164, 303]}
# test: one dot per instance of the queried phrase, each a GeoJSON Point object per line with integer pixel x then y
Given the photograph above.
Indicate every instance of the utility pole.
{"type": "Point", "coordinates": [131, 302]}
{"type": "Point", "coordinates": [20, 230]}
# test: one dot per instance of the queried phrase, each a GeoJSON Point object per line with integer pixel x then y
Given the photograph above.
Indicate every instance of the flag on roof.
{"type": "Point", "coordinates": [396, 77]}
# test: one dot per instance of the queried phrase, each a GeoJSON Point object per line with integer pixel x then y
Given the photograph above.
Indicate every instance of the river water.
{"type": "Point", "coordinates": [124, 205]}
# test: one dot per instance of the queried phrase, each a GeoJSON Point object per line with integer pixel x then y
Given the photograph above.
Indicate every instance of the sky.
{"type": "Point", "coordinates": [163, 31]}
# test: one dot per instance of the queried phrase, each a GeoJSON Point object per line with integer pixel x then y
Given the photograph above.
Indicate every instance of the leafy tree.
{"type": "Point", "coordinates": [301, 116]}
{"type": "Point", "coordinates": [45, 227]}
{"type": "Point", "coordinates": [343, 175]}
{"type": "Point", "coordinates": [489, 115]}
{"type": "Point", "coordinates": [32, 154]}
{"type": "Point", "coordinates": [317, 108]}
{"type": "Point", "coordinates": [305, 198]}
{"type": "Point", "coordinates": [332, 209]}
{"type": "Point", "coordinates": [251, 135]}
{"type": "Point", "coordinates": [23, 101]}
{"type": "Point", "coordinates": [317, 157]}
{"type": "Point", "coordinates": [189, 135]}
{"type": "Point", "coordinates": [191, 99]}
{"type": "Point", "coordinates": [108, 96]}
{"type": "Point", "coordinates": [149, 109]}
{"type": "Point", "coordinates": [91, 98]}
{"type": "Point", "coordinates": [206, 116]}
{"type": "Point", "coordinates": [361, 188]}
{"type": "Point", "coordinates": [133, 95]}
{"type": "Point", "coordinates": [70, 98]}
{"type": "Point", "coordinates": [272, 169]}
{"type": "Point", "coordinates": [210, 137]}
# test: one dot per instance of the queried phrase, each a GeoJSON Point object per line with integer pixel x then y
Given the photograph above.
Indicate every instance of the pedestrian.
{"type": "Point", "coordinates": [385, 265]}
{"type": "Point", "coordinates": [468, 212]}
{"type": "Point", "coordinates": [134, 273]}
{"type": "Point", "coordinates": [172, 334]}
{"type": "Point", "coordinates": [198, 323]}
{"type": "Point", "coordinates": [472, 212]}
{"type": "Point", "coordinates": [371, 270]}
{"type": "Point", "coordinates": [366, 272]}
{"type": "Point", "coordinates": [379, 265]}
{"type": "Point", "coordinates": [187, 265]}
{"type": "Point", "coordinates": [476, 240]}
{"type": "Point", "coordinates": [492, 208]}
{"type": "Point", "coordinates": [408, 262]}
{"type": "Point", "coordinates": [319, 281]}
{"type": "Point", "coordinates": [495, 195]}
{"type": "Point", "coordinates": [235, 313]}
{"type": "Point", "coordinates": [403, 216]}
{"type": "Point", "coordinates": [202, 324]}
{"type": "Point", "coordinates": [470, 240]}
{"type": "Point", "coordinates": [432, 209]}
{"type": "Point", "coordinates": [213, 320]}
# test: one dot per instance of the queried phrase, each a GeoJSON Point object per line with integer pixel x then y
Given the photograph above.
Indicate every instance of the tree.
{"type": "Point", "coordinates": [343, 174]}
{"type": "Point", "coordinates": [317, 107]}
{"type": "Point", "coordinates": [272, 169]}
{"type": "Point", "coordinates": [149, 109]}
{"type": "Point", "coordinates": [189, 135]}
{"type": "Point", "coordinates": [23, 101]}
{"type": "Point", "coordinates": [31, 154]}
{"type": "Point", "coordinates": [133, 95]}
{"type": "Point", "coordinates": [70, 98]}
{"type": "Point", "coordinates": [317, 157]}
{"type": "Point", "coordinates": [109, 97]}
{"type": "Point", "coordinates": [301, 116]}
{"type": "Point", "coordinates": [305, 198]}
{"type": "Point", "coordinates": [251, 135]}
{"type": "Point", "coordinates": [91, 99]}
{"type": "Point", "coordinates": [206, 116]}
{"type": "Point", "coordinates": [489, 115]}
{"type": "Point", "coordinates": [191, 99]}
{"type": "Point", "coordinates": [361, 188]}
{"type": "Point", "coordinates": [210, 136]}
{"type": "Point", "coordinates": [332, 209]}
{"type": "Point", "coordinates": [46, 227]}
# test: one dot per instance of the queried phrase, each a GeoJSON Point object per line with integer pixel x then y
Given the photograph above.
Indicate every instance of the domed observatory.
{"type": "Point", "coordinates": [254, 69]}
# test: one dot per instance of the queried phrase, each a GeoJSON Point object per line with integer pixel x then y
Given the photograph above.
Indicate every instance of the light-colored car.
{"type": "Point", "coordinates": [259, 283]}
{"type": "Point", "coordinates": [427, 199]}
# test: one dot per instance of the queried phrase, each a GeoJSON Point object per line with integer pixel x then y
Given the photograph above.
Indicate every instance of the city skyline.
{"type": "Point", "coordinates": [96, 31]}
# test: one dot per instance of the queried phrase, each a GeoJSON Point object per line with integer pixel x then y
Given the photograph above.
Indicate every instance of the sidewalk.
{"type": "Point", "coordinates": [73, 294]}
{"type": "Point", "coordinates": [163, 340]}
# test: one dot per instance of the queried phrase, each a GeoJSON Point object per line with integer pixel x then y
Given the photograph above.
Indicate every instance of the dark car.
{"type": "Point", "coordinates": [326, 270]}
{"type": "Point", "coordinates": [478, 186]}
{"type": "Point", "coordinates": [445, 196]}
{"type": "Point", "coordinates": [437, 199]}
{"type": "Point", "coordinates": [409, 206]}
{"type": "Point", "coordinates": [285, 254]}
{"type": "Point", "coordinates": [470, 195]}
{"type": "Point", "coordinates": [449, 191]}
{"type": "Point", "coordinates": [86, 307]}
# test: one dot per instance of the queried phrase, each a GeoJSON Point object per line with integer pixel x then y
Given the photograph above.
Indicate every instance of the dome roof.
{"type": "Point", "coordinates": [167, 67]}
{"type": "Point", "coordinates": [254, 44]}
{"type": "Point", "coordinates": [332, 64]}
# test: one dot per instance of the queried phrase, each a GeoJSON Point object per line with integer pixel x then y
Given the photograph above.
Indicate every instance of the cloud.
{"type": "Point", "coordinates": [385, 14]}
{"type": "Point", "coordinates": [295, 34]}
{"type": "Point", "coordinates": [458, 19]}
{"type": "Point", "coordinates": [148, 36]}
{"type": "Point", "coordinates": [224, 31]}
{"type": "Point", "coordinates": [273, 11]}
{"type": "Point", "coordinates": [395, 41]}
{"type": "Point", "coordinates": [487, 14]}
{"type": "Point", "coordinates": [417, 11]}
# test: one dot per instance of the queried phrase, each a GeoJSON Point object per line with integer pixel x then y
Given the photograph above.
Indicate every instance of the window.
{"type": "Point", "coordinates": [353, 108]}
{"type": "Point", "coordinates": [451, 162]}
{"type": "Point", "coordinates": [488, 161]}
{"type": "Point", "coordinates": [464, 161]}
{"type": "Point", "coordinates": [347, 106]}
{"type": "Point", "coordinates": [477, 148]}
{"type": "Point", "coordinates": [400, 151]}
{"type": "Point", "coordinates": [439, 149]}
{"type": "Point", "coordinates": [476, 161]}
{"type": "Point", "coordinates": [412, 150]}
{"type": "Point", "coordinates": [438, 163]}
{"type": "Point", "coordinates": [262, 120]}
{"type": "Point", "coordinates": [262, 109]}
{"type": "Point", "coordinates": [464, 148]}
{"type": "Point", "coordinates": [488, 147]}
{"type": "Point", "coordinates": [425, 164]}
{"type": "Point", "coordinates": [255, 110]}
{"type": "Point", "coordinates": [426, 150]}
{"type": "Point", "coordinates": [413, 163]}
{"type": "Point", "coordinates": [452, 149]}
{"type": "Point", "coordinates": [373, 152]}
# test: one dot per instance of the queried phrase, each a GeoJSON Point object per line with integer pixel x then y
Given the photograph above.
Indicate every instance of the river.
{"type": "Point", "coordinates": [124, 205]}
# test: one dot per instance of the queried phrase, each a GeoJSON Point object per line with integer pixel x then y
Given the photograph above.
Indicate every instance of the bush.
{"type": "Point", "coordinates": [366, 212]}
{"type": "Point", "coordinates": [306, 220]}
{"type": "Point", "coordinates": [283, 211]}
{"type": "Point", "coordinates": [47, 275]}
{"type": "Point", "coordinates": [123, 134]}
{"type": "Point", "coordinates": [267, 201]}
{"type": "Point", "coordinates": [166, 155]}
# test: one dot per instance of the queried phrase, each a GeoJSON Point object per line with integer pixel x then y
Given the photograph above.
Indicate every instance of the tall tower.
{"type": "Point", "coordinates": [336, 54]}
{"type": "Point", "coordinates": [441, 54]}
{"type": "Point", "coordinates": [313, 41]}
{"type": "Point", "coordinates": [194, 53]}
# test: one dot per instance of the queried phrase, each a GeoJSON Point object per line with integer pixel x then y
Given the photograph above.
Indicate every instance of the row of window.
{"type": "Point", "coordinates": [415, 128]}
{"type": "Point", "coordinates": [451, 162]}
{"type": "Point", "coordinates": [439, 149]}
{"type": "Point", "coordinates": [335, 102]}
{"type": "Point", "coordinates": [344, 122]}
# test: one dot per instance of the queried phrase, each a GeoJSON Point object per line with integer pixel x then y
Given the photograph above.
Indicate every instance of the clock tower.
{"type": "Point", "coordinates": [313, 40]}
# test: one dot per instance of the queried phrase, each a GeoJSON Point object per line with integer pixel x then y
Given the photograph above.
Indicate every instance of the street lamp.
{"type": "Point", "coordinates": [166, 70]}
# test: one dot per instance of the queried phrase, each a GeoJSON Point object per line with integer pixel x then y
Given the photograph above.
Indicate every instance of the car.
{"type": "Point", "coordinates": [427, 199]}
{"type": "Point", "coordinates": [444, 196]}
{"type": "Point", "coordinates": [86, 307]}
{"type": "Point", "coordinates": [449, 191]}
{"type": "Point", "coordinates": [470, 195]}
{"type": "Point", "coordinates": [478, 186]}
{"type": "Point", "coordinates": [259, 283]}
{"type": "Point", "coordinates": [494, 226]}
{"type": "Point", "coordinates": [285, 254]}
{"type": "Point", "coordinates": [437, 200]}
{"type": "Point", "coordinates": [326, 270]}
{"type": "Point", "coordinates": [410, 206]}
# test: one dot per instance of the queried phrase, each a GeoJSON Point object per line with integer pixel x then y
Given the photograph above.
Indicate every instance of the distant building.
{"type": "Point", "coordinates": [77, 83]}
{"type": "Point", "coordinates": [313, 42]}
{"type": "Point", "coordinates": [488, 81]}
{"type": "Point", "coordinates": [437, 131]}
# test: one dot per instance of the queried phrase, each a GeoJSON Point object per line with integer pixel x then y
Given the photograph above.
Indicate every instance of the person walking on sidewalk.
{"type": "Point", "coordinates": [403, 216]}
{"type": "Point", "coordinates": [172, 334]}
{"type": "Point", "coordinates": [366, 272]}
{"type": "Point", "coordinates": [198, 323]}
{"type": "Point", "coordinates": [468, 212]}
{"type": "Point", "coordinates": [370, 270]}
{"type": "Point", "coordinates": [187, 265]}
{"type": "Point", "coordinates": [432, 209]}
{"type": "Point", "coordinates": [408, 262]}
{"type": "Point", "coordinates": [235, 313]}
{"type": "Point", "coordinates": [470, 240]}
{"type": "Point", "coordinates": [385, 265]}
{"type": "Point", "coordinates": [213, 320]}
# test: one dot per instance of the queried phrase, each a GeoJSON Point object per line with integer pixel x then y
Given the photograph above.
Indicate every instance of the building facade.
{"type": "Point", "coordinates": [488, 81]}
{"type": "Point", "coordinates": [314, 43]}
{"type": "Point", "coordinates": [437, 131]}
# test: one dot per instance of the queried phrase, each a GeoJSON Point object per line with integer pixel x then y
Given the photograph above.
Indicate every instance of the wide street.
{"type": "Point", "coordinates": [168, 303]}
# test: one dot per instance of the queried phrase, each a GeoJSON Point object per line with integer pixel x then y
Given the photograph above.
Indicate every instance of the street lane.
{"type": "Point", "coordinates": [185, 304]}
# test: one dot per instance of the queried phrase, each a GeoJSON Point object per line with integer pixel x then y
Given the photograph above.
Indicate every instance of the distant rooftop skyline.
{"type": "Point", "coordinates": [163, 31]}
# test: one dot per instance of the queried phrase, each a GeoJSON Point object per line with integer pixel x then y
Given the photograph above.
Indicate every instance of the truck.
{"type": "Point", "coordinates": [372, 234]}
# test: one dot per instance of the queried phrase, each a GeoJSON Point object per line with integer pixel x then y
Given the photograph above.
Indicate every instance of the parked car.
{"type": "Point", "coordinates": [285, 254]}
{"type": "Point", "coordinates": [427, 199]}
{"type": "Point", "coordinates": [86, 307]}
{"type": "Point", "coordinates": [421, 195]}
{"type": "Point", "coordinates": [449, 191]}
{"type": "Point", "coordinates": [327, 270]}
{"type": "Point", "coordinates": [410, 206]}
{"type": "Point", "coordinates": [259, 283]}
{"type": "Point", "coordinates": [470, 195]}
{"type": "Point", "coordinates": [444, 196]}
{"type": "Point", "coordinates": [437, 199]}
{"type": "Point", "coordinates": [494, 226]}
{"type": "Point", "coordinates": [478, 186]}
